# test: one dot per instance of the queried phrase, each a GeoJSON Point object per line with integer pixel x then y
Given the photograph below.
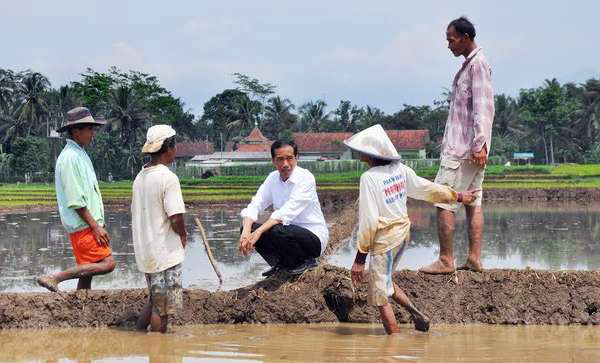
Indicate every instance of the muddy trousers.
{"type": "Point", "coordinates": [289, 246]}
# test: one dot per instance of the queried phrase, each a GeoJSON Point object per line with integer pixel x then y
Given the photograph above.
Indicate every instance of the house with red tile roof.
{"type": "Point", "coordinates": [254, 142]}
{"type": "Point", "coordinates": [188, 149]}
{"type": "Point", "coordinates": [410, 144]}
{"type": "Point", "coordinates": [256, 148]}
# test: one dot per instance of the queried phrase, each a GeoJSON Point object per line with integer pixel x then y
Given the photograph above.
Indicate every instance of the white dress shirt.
{"type": "Point", "coordinates": [294, 201]}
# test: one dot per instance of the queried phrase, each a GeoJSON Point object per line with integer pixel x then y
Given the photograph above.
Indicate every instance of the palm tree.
{"type": "Point", "coordinates": [7, 89]}
{"type": "Point", "coordinates": [245, 115]}
{"type": "Point", "coordinates": [11, 127]}
{"type": "Point", "coordinates": [127, 114]}
{"type": "Point", "coordinates": [587, 114]}
{"type": "Point", "coordinates": [371, 116]}
{"type": "Point", "coordinates": [278, 114]}
{"type": "Point", "coordinates": [32, 107]}
{"type": "Point", "coordinates": [313, 115]}
{"type": "Point", "coordinates": [59, 103]}
{"type": "Point", "coordinates": [506, 118]}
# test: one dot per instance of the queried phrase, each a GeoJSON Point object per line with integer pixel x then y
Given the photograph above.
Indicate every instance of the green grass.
{"type": "Point", "coordinates": [242, 188]}
{"type": "Point", "coordinates": [577, 170]}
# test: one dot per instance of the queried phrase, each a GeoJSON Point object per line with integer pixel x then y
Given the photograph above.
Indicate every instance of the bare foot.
{"type": "Point", "coordinates": [470, 265]}
{"type": "Point", "coordinates": [48, 282]}
{"type": "Point", "coordinates": [438, 268]}
{"type": "Point", "coordinates": [421, 323]}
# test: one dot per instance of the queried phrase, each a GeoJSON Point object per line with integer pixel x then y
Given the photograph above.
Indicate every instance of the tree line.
{"type": "Point", "coordinates": [557, 122]}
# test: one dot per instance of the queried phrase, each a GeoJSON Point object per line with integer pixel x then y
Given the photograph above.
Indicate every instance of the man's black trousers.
{"type": "Point", "coordinates": [289, 246]}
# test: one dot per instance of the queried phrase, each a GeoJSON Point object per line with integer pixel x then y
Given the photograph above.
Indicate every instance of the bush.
{"type": "Point", "coordinates": [30, 155]}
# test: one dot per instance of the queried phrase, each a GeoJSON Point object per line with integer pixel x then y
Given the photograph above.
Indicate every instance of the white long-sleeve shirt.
{"type": "Point", "coordinates": [383, 218]}
{"type": "Point", "coordinates": [294, 201]}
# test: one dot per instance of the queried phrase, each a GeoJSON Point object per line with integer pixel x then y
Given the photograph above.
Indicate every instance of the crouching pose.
{"type": "Point", "coordinates": [295, 234]}
{"type": "Point", "coordinates": [384, 227]}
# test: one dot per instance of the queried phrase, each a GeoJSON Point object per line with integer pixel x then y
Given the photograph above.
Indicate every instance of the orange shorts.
{"type": "Point", "coordinates": [86, 248]}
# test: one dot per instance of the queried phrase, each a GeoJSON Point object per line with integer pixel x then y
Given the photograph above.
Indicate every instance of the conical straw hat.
{"type": "Point", "coordinates": [374, 142]}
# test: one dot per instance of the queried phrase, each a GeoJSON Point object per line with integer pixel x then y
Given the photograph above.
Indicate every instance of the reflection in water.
{"type": "Point", "coordinates": [538, 236]}
{"type": "Point", "coordinates": [307, 343]}
{"type": "Point", "coordinates": [36, 243]}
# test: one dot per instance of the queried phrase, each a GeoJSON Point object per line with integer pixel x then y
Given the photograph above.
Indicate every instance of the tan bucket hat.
{"type": "Point", "coordinates": [78, 116]}
{"type": "Point", "coordinates": [155, 137]}
{"type": "Point", "coordinates": [374, 142]}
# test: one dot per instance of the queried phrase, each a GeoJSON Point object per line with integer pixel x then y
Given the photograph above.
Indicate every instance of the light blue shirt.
{"type": "Point", "coordinates": [77, 187]}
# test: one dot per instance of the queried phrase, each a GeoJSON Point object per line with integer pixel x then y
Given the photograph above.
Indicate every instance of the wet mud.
{"type": "Point", "coordinates": [326, 295]}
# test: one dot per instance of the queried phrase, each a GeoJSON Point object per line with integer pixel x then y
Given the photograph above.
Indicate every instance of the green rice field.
{"type": "Point", "coordinates": [241, 188]}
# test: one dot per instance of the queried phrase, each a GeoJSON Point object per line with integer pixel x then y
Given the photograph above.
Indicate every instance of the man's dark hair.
{"type": "Point", "coordinates": [281, 143]}
{"type": "Point", "coordinates": [166, 145]}
{"type": "Point", "coordinates": [381, 162]}
{"type": "Point", "coordinates": [463, 26]}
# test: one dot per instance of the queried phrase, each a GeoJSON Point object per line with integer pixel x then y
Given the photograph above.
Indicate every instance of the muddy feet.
{"type": "Point", "coordinates": [48, 282]}
{"type": "Point", "coordinates": [421, 323]}
{"type": "Point", "coordinates": [438, 268]}
{"type": "Point", "coordinates": [471, 265]}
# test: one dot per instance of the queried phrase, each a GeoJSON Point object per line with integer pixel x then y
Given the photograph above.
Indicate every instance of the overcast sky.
{"type": "Point", "coordinates": [379, 53]}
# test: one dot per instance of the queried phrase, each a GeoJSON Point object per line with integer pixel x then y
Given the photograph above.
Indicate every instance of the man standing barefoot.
{"type": "Point", "coordinates": [465, 147]}
{"type": "Point", "coordinates": [80, 205]}
{"type": "Point", "coordinates": [159, 235]}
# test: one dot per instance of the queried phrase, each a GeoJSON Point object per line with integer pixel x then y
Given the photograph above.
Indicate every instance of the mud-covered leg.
{"type": "Point", "coordinates": [144, 318]}
{"type": "Point", "coordinates": [421, 320]}
{"type": "Point", "coordinates": [389, 319]}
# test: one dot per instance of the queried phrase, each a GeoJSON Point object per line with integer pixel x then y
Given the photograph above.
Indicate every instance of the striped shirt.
{"type": "Point", "coordinates": [469, 124]}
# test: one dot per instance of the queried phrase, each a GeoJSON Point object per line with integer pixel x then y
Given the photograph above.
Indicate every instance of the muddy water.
{"type": "Point", "coordinates": [36, 243]}
{"type": "Point", "coordinates": [538, 236]}
{"type": "Point", "coordinates": [306, 343]}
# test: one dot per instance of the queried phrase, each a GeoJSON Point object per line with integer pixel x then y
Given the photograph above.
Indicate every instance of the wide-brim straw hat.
{"type": "Point", "coordinates": [78, 116]}
{"type": "Point", "coordinates": [155, 137]}
{"type": "Point", "coordinates": [373, 142]}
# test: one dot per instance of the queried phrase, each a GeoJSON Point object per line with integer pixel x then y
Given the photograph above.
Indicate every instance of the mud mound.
{"type": "Point", "coordinates": [326, 295]}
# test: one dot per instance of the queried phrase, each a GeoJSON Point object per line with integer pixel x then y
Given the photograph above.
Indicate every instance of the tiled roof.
{"type": "Point", "coordinates": [255, 147]}
{"type": "Point", "coordinates": [266, 146]}
{"type": "Point", "coordinates": [321, 141]}
{"type": "Point", "coordinates": [255, 136]}
{"type": "Point", "coordinates": [409, 139]}
{"type": "Point", "coordinates": [333, 141]}
{"type": "Point", "coordinates": [191, 149]}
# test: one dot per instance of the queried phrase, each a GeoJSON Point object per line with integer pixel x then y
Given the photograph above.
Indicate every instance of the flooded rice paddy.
{"type": "Point", "coordinates": [305, 343]}
{"type": "Point", "coordinates": [536, 236]}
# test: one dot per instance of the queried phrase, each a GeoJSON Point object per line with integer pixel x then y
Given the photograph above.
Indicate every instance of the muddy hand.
{"type": "Point", "coordinates": [358, 273]}
{"type": "Point", "coordinates": [470, 196]}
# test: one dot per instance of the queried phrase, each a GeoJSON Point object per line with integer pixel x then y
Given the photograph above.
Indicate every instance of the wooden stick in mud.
{"type": "Point", "coordinates": [209, 252]}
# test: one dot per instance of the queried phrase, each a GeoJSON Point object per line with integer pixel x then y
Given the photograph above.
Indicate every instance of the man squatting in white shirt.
{"type": "Point", "coordinates": [295, 234]}
{"type": "Point", "coordinates": [383, 224]}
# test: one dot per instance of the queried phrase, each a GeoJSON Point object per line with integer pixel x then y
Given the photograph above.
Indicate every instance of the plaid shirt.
{"type": "Point", "coordinates": [469, 124]}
